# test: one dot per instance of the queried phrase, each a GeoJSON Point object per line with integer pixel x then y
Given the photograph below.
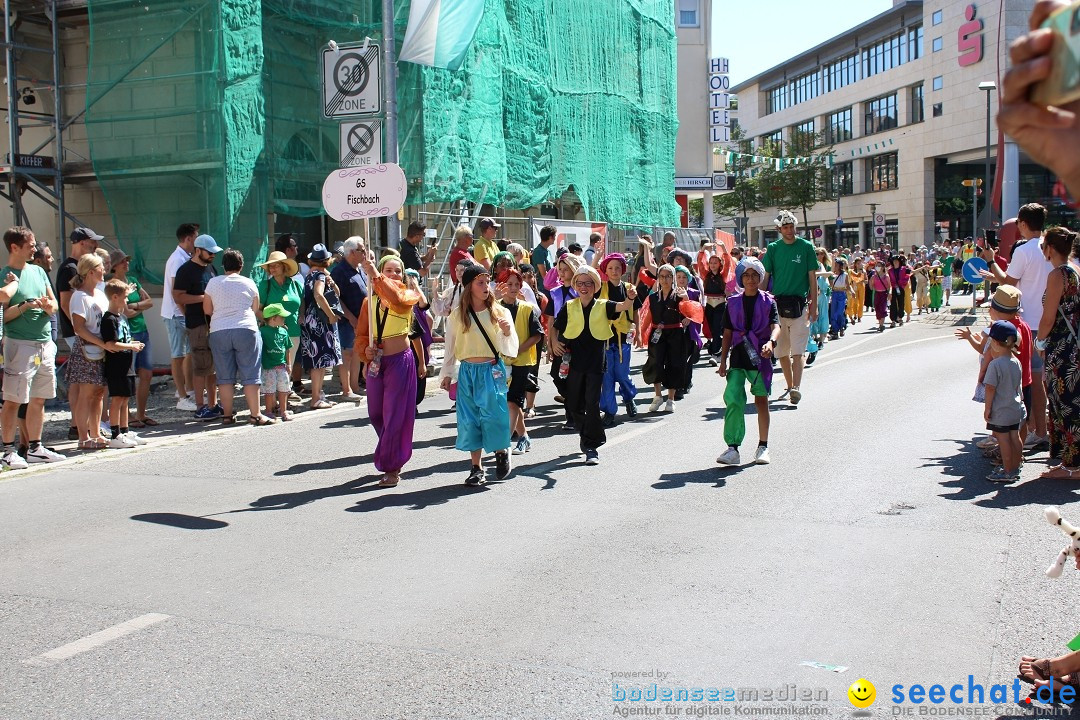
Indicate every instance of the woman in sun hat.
{"type": "Point", "coordinates": [282, 285]}
{"type": "Point", "coordinates": [320, 348]}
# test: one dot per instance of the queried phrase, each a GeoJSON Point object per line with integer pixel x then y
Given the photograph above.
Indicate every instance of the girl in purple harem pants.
{"type": "Point", "coordinates": [392, 369]}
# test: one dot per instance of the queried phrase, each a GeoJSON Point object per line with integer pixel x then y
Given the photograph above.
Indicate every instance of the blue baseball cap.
{"type": "Point", "coordinates": [207, 243]}
{"type": "Point", "coordinates": [1003, 331]}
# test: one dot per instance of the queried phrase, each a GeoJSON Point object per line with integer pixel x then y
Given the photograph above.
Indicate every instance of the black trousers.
{"type": "Point", "coordinates": [714, 318]}
{"type": "Point", "coordinates": [560, 384]}
{"type": "Point", "coordinates": [896, 305]}
{"type": "Point", "coordinates": [583, 403]}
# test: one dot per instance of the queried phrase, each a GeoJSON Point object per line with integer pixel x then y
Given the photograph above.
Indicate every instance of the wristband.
{"type": "Point", "coordinates": [1040, 345]}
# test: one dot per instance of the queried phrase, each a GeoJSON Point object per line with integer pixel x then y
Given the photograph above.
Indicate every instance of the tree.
{"type": "Point", "coordinates": [804, 184]}
{"type": "Point", "coordinates": [745, 198]}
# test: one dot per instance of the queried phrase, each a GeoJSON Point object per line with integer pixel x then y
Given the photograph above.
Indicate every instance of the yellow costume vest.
{"type": "Point", "coordinates": [599, 325]}
{"type": "Point", "coordinates": [521, 325]}
{"type": "Point", "coordinates": [396, 325]}
{"type": "Point", "coordinates": [625, 320]}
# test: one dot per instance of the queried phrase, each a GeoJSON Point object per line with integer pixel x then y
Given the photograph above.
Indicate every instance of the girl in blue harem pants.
{"type": "Point", "coordinates": [838, 301]}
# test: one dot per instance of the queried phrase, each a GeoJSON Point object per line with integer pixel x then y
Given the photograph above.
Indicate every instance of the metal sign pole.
{"type": "Point", "coordinates": [393, 225]}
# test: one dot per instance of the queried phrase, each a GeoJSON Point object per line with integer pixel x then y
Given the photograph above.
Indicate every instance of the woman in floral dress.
{"type": "Point", "coordinates": [1057, 341]}
{"type": "Point", "coordinates": [320, 348]}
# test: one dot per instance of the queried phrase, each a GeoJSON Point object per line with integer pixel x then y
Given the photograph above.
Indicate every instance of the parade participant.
{"type": "Point", "coordinates": [899, 276]}
{"type": "Point", "coordinates": [663, 333]}
{"type": "Point", "coordinates": [751, 328]}
{"type": "Point", "coordinates": [644, 274]}
{"type": "Point", "coordinates": [420, 334]}
{"type": "Point", "coordinates": [791, 264]}
{"type": "Point", "coordinates": [838, 284]}
{"type": "Point", "coordinates": [528, 273]}
{"type": "Point", "coordinates": [948, 262]}
{"type": "Point", "coordinates": [680, 258]}
{"type": "Point", "coordinates": [856, 294]}
{"type": "Point", "coordinates": [523, 380]}
{"type": "Point", "coordinates": [683, 278]}
{"type": "Point", "coordinates": [483, 333]}
{"type": "Point", "coordinates": [936, 285]}
{"type": "Point", "coordinates": [1004, 408]}
{"type": "Point", "coordinates": [714, 284]}
{"type": "Point", "coordinates": [566, 266]}
{"type": "Point", "coordinates": [819, 328]}
{"type": "Point", "coordinates": [617, 351]}
{"type": "Point", "coordinates": [444, 303]}
{"type": "Point", "coordinates": [582, 329]}
{"type": "Point", "coordinates": [1057, 341]}
{"type": "Point", "coordinates": [391, 367]}
{"type": "Point", "coordinates": [880, 287]}
{"type": "Point", "coordinates": [921, 274]}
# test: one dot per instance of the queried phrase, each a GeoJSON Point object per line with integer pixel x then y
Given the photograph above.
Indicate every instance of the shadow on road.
{"type": "Point", "coordinates": [709, 476]}
{"type": "Point", "coordinates": [969, 469]}
{"type": "Point", "coordinates": [416, 500]}
{"type": "Point", "coordinates": [184, 522]}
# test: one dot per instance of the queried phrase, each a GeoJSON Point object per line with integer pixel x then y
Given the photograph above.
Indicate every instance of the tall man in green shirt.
{"type": "Point", "coordinates": [791, 263]}
{"type": "Point", "coordinates": [29, 352]}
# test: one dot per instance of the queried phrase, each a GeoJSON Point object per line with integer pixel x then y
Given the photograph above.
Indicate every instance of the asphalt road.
{"type": "Point", "coordinates": [259, 573]}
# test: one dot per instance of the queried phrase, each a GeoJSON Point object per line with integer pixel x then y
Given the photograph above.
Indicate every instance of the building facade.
{"type": "Point", "coordinates": [693, 159]}
{"type": "Point", "coordinates": [899, 101]}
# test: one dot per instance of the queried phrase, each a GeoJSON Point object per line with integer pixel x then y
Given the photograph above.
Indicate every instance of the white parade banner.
{"type": "Point", "coordinates": [358, 193]}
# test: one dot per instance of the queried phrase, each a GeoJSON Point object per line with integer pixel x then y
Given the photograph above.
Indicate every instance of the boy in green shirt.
{"type": "Point", "coordinates": [275, 372]}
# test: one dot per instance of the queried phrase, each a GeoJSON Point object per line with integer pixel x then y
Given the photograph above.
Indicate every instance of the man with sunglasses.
{"type": "Point", "coordinates": [188, 289]}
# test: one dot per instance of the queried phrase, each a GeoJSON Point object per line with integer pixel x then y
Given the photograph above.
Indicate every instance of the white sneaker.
{"type": "Point", "coordinates": [13, 461]}
{"type": "Point", "coordinates": [133, 437]}
{"type": "Point", "coordinates": [730, 457]}
{"type": "Point", "coordinates": [186, 404]}
{"type": "Point", "coordinates": [670, 406]}
{"type": "Point", "coordinates": [121, 442]}
{"type": "Point", "coordinates": [795, 397]}
{"type": "Point", "coordinates": [656, 403]}
{"type": "Point", "coordinates": [1033, 441]}
{"type": "Point", "coordinates": [761, 455]}
{"type": "Point", "coordinates": [44, 455]}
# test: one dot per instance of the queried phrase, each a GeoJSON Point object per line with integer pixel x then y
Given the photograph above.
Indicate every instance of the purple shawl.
{"type": "Point", "coordinates": [759, 328]}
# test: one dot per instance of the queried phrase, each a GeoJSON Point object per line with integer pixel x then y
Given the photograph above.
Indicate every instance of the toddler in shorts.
{"type": "Point", "coordinates": [275, 373]}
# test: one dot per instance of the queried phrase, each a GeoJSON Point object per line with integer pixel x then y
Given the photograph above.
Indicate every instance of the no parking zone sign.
{"type": "Point", "coordinates": [361, 143]}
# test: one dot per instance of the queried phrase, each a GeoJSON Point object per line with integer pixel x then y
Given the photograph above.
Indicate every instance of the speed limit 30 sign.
{"type": "Point", "coordinates": [351, 80]}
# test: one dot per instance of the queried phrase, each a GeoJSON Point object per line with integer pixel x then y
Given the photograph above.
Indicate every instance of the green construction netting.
{"type": "Point", "coordinates": [210, 111]}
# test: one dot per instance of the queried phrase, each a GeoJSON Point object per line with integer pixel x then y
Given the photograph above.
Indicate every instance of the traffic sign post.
{"type": "Point", "coordinates": [361, 143]}
{"type": "Point", "coordinates": [351, 80]}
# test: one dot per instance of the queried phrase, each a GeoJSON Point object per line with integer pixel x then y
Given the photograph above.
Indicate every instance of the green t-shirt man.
{"type": "Point", "coordinates": [946, 265]}
{"type": "Point", "coordinates": [789, 266]}
{"type": "Point", "coordinates": [33, 324]}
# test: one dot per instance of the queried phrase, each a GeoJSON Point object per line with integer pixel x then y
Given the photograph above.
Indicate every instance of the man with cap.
{"type": "Point", "coordinates": [582, 329]}
{"type": "Point", "coordinates": [173, 317]}
{"type": "Point", "coordinates": [485, 246]}
{"type": "Point", "coordinates": [792, 264]}
{"type": "Point", "coordinates": [751, 326]}
{"type": "Point", "coordinates": [83, 241]}
{"type": "Point", "coordinates": [188, 290]}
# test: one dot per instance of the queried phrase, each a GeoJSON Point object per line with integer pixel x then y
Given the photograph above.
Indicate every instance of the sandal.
{"type": "Point", "coordinates": [262, 420]}
{"type": "Point", "coordinates": [93, 444]}
{"type": "Point", "coordinates": [1062, 473]}
{"type": "Point", "coordinates": [150, 422]}
{"type": "Point", "coordinates": [285, 417]}
{"type": "Point", "coordinates": [322, 405]}
{"type": "Point", "coordinates": [137, 424]}
{"type": "Point", "coordinates": [389, 480]}
{"type": "Point", "coordinates": [228, 420]}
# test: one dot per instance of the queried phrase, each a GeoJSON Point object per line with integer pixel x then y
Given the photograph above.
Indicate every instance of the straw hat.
{"type": "Point", "coordinates": [277, 256]}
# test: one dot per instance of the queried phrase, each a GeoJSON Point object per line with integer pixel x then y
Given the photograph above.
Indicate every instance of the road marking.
{"type": "Point", "coordinates": [890, 347]}
{"type": "Point", "coordinates": [96, 640]}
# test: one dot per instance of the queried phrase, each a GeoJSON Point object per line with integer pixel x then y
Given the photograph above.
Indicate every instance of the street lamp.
{"type": "Point", "coordinates": [988, 86]}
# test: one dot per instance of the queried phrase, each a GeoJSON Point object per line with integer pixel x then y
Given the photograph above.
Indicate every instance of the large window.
{"type": "Point", "coordinates": [688, 13]}
{"type": "Point", "coordinates": [918, 113]}
{"type": "Point", "coordinates": [776, 140]}
{"type": "Point", "coordinates": [881, 173]}
{"type": "Point", "coordinates": [805, 130]}
{"type": "Point", "coordinates": [898, 49]}
{"type": "Point", "coordinates": [880, 115]}
{"type": "Point", "coordinates": [838, 127]}
{"type": "Point", "coordinates": [842, 179]}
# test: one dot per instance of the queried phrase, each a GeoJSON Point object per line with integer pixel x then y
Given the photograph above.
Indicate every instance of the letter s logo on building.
{"type": "Point", "coordinates": [970, 38]}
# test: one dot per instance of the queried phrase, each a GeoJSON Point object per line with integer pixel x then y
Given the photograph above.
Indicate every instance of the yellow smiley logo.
{"type": "Point", "coordinates": [861, 693]}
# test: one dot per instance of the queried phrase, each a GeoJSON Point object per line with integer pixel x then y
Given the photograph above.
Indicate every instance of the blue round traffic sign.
{"type": "Point", "coordinates": [972, 268]}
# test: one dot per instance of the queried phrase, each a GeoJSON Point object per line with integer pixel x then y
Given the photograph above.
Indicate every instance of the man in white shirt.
{"type": "Point", "coordinates": [173, 317]}
{"type": "Point", "coordinates": [1028, 271]}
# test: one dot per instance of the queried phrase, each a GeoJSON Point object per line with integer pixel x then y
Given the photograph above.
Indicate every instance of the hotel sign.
{"type": "Point", "coordinates": [719, 101]}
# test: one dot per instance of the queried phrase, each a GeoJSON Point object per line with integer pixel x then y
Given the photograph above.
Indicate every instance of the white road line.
{"type": "Point", "coordinates": [96, 640]}
{"type": "Point", "coordinates": [890, 347]}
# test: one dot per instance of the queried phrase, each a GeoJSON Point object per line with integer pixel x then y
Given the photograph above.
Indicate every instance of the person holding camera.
{"type": "Point", "coordinates": [791, 263]}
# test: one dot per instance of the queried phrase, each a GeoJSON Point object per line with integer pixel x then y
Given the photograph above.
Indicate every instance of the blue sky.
{"type": "Point", "coordinates": [768, 32]}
